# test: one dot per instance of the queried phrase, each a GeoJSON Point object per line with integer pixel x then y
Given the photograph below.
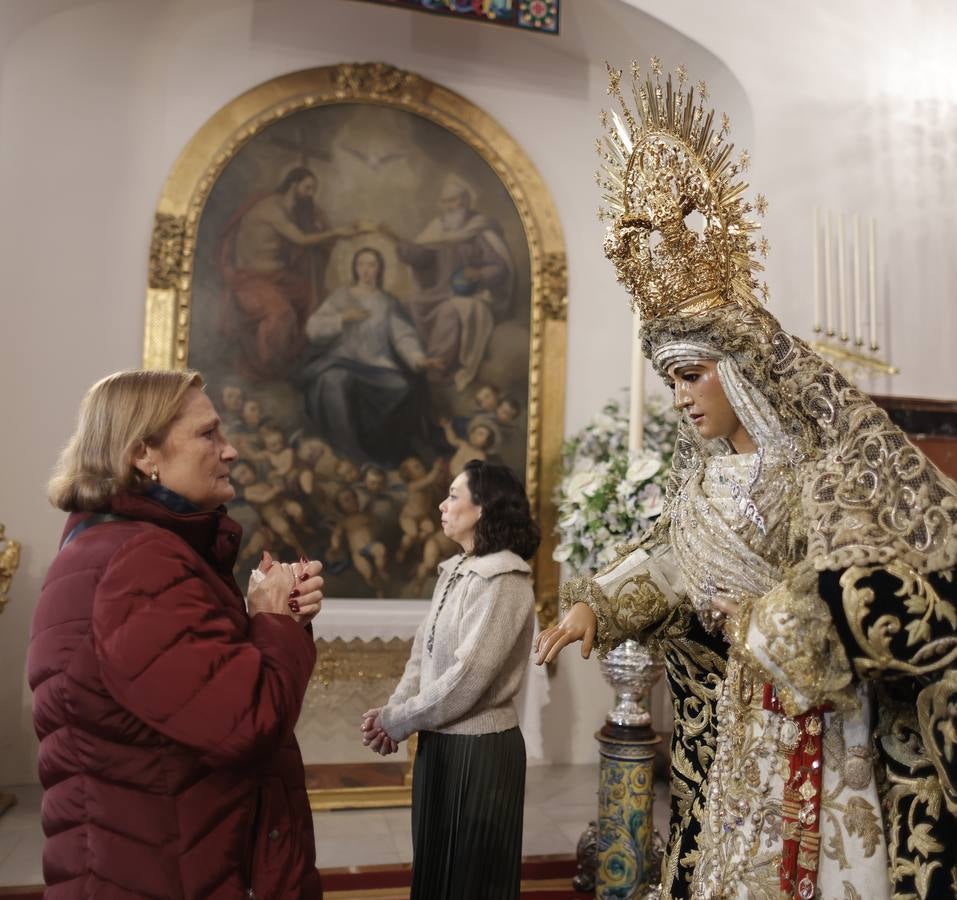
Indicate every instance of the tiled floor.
{"type": "Point", "coordinates": [559, 802]}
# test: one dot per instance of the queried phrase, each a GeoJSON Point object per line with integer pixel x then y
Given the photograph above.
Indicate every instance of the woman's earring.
{"type": "Point", "coordinates": [155, 474]}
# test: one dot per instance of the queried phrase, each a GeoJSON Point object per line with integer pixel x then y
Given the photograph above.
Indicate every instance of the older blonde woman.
{"type": "Point", "coordinates": [165, 709]}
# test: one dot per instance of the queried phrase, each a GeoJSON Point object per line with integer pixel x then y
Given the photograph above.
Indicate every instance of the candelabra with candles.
{"type": "Point", "coordinates": [839, 329]}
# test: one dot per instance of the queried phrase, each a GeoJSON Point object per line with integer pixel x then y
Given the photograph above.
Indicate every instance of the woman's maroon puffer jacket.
{"type": "Point", "coordinates": [165, 717]}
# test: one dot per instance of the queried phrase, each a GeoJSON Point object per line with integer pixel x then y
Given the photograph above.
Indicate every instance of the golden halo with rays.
{"type": "Point", "coordinates": [663, 159]}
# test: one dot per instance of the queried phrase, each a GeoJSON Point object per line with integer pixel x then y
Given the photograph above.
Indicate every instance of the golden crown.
{"type": "Point", "coordinates": [662, 160]}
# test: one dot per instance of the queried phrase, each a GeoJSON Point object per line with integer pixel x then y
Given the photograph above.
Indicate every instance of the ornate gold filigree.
{"type": "Point", "coordinates": [863, 820]}
{"type": "Point", "coordinates": [694, 673]}
{"type": "Point", "coordinates": [662, 159]}
{"type": "Point", "coordinates": [374, 79]}
{"type": "Point", "coordinates": [636, 605]}
{"type": "Point", "coordinates": [875, 632]}
{"type": "Point", "coordinates": [871, 495]}
{"type": "Point", "coordinates": [9, 562]}
{"type": "Point", "coordinates": [799, 640]}
{"type": "Point", "coordinates": [555, 286]}
{"type": "Point", "coordinates": [166, 251]}
{"type": "Point", "coordinates": [912, 801]}
{"type": "Point", "coordinates": [937, 719]}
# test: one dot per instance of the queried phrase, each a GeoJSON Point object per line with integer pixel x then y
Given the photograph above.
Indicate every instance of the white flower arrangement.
{"type": "Point", "coordinates": [607, 496]}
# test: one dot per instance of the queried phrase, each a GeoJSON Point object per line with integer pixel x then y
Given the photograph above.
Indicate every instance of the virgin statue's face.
{"type": "Point", "coordinates": [699, 393]}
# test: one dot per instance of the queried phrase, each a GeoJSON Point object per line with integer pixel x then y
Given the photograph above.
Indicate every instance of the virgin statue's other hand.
{"type": "Point", "coordinates": [578, 625]}
{"type": "Point", "coordinates": [728, 607]}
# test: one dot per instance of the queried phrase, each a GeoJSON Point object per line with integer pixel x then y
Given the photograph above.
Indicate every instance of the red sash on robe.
{"type": "Point", "coordinates": [802, 802]}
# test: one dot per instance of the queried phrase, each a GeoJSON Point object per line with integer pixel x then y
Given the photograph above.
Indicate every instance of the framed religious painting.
{"type": "Point", "coordinates": [370, 274]}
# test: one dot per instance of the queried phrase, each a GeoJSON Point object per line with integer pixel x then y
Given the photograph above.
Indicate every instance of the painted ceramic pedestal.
{"type": "Point", "coordinates": [621, 861]}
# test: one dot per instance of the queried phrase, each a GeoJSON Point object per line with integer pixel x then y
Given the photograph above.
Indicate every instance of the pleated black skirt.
{"type": "Point", "coordinates": [468, 793]}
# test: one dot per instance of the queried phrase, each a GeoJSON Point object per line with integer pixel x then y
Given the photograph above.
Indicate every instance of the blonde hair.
{"type": "Point", "coordinates": [117, 415]}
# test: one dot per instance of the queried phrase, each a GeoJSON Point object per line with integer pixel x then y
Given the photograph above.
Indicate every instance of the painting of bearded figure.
{"type": "Point", "coordinates": [361, 309]}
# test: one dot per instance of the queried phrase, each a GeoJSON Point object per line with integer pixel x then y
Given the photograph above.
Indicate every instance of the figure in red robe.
{"type": "Point", "coordinates": [273, 258]}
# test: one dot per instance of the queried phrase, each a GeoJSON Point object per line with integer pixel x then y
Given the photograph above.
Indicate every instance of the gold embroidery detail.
{"type": "Point", "coordinates": [694, 672]}
{"type": "Point", "coordinates": [936, 717]}
{"type": "Point", "coordinates": [801, 642]}
{"type": "Point", "coordinates": [636, 605]}
{"type": "Point", "coordinates": [912, 800]}
{"type": "Point", "coordinates": [860, 818]}
{"type": "Point", "coordinates": [921, 604]}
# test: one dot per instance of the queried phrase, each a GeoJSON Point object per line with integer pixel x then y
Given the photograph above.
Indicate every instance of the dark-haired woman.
{"type": "Point", "coordinates": [467, 664]}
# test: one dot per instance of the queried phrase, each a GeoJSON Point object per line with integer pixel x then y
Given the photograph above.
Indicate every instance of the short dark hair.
{"type": "Point", "coordinates": [506, 522]}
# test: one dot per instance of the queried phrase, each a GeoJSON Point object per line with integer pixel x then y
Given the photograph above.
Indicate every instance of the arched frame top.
{"type": "Point", "coordinates": [196, 171]}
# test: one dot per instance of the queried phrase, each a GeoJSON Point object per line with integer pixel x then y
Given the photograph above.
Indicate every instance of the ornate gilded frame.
{"type": "Point", "coordinates": [173, 245]}
{"type": "Point", "coordinates": [184, 195]}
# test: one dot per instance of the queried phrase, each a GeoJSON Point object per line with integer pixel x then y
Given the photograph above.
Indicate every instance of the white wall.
{"type": "Point", "coordinates": [854, 108]}
{"type": "Point", "coordinates": [96, 101]}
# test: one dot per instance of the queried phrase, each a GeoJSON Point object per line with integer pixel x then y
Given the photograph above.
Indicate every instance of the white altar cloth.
{"type": "Point", "coordinates": [366, 620]}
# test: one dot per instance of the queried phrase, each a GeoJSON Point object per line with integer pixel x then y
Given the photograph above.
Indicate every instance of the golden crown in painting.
{"type": "Point", "coordinates": [663, 158]}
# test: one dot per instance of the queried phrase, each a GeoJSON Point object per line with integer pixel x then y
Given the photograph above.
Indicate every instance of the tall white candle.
{"type": "Point", "coordinates": [841, 277]}
{"type": "Point", "coordinates": [817, 272]}
{"type": "Point", "coordinates": [858, 296]}
{"type": "Point", "coordinates": [828, 280]}
{"type": "Point", "coordinates": [872, 281]}
{"type": "Point", "coordinates": [636, 410]}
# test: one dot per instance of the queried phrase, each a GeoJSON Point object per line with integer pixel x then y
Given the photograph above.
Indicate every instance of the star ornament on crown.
{"type": "Point", "coordinates": [662, 160]}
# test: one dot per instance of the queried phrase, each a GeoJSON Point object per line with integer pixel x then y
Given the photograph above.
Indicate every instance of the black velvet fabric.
{"type": "Point", "coordinates": [921, 831]}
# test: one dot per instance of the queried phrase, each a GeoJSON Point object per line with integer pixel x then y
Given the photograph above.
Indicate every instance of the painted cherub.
{"type": "Point", "coordinates": [303, 477]}
{"type": "Point", "coordinates": [276, 453]}
{"type": "Point", "coordinates": [417, 516]}
{"type": "Point", "coordinates": [375, 496]}
{"type": "Point", "coordinates": [245, 434]}
{"type": "Point", "coordinates": [481, 438]}
{"type": "Point", "coordinates": [507, 412]}
{"type": "Point", "coordinates": [357, 530]}
{"type": "Point", "coordinates": [231, 409]}
{"type": "Point", "coordinates": [267, 498]}
{"type": "Point", "coordinates": [487, 398]}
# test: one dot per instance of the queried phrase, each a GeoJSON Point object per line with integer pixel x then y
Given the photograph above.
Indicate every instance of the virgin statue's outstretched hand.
{"type": "Point", "coordinates": [579, 624]}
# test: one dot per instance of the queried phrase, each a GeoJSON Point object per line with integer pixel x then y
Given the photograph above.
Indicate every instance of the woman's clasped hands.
{"type": "Point", "coordinates": [374, 736]}
{"type": "Point", "coordinates": [291, 589]}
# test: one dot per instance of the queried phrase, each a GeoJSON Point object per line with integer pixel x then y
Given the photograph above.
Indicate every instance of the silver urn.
{"type": "Point", "coordinates": [631, 670]}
